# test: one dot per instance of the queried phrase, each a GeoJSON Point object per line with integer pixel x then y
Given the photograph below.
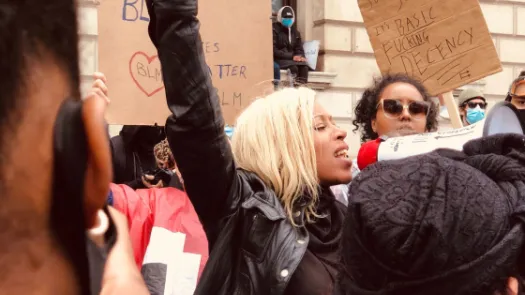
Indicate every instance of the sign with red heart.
{"type": "Point", "coordinates": [241, 71]}
{"type": "Point", "coordinates": [146, 73]}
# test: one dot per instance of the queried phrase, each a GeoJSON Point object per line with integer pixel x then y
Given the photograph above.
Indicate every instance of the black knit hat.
{"type": "Point", "coordinates": [447, 222]}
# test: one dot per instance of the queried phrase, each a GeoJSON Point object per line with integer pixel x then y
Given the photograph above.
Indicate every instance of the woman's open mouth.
{"type": "Point", "coordinates": [342, 154]}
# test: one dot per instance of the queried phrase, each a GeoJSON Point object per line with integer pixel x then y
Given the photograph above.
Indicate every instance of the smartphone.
{"type": "Point", "coordinates": [160, 174]}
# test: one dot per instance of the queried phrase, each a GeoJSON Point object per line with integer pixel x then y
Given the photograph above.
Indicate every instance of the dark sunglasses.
{"type": "Point", "coordinates": [394, 108]}
{"type": "Point", "coordinates": [516, 96]}
{"type": "Point", "coordinates": [473, 105]}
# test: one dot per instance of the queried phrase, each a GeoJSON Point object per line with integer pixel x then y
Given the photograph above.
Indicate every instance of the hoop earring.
{"type": "Point", "coordinates": [96, 234]}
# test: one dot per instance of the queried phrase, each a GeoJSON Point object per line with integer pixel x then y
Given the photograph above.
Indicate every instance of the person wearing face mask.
{"type": "Point", "coordinates": [288, 50]}
{"type": "Point", "coordinates": [472, 106]}
{"type": "Point", "coordinates": [516, 95]}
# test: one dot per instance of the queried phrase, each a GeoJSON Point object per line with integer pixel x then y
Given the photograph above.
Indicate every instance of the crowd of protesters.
{"type": "Point", "coordinates": [197, 207]}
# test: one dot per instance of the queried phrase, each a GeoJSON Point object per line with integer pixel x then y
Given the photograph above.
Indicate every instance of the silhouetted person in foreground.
{"type": "Point", "coordinates": [58, 236]}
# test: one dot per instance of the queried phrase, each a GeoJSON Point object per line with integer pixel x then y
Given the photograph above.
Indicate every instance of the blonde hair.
{"type": "Point", "coordinates": [274, 139]}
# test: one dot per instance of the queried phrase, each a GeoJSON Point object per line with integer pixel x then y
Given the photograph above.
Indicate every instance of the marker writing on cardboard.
{"type": "Point", "coordinates": [234, 99]}
{"type": "Point", "coordinates": [440, 50]}
{"type": "Point", "coordinates": [132, 13]}
{"type": "Point", "coordinates": [416, 21]}
{"type": "Point", "coordinates": [148, 72]}
{"type": "Point", "coordinates": [409, 24]}
{"type": "Point", "coordinates": [451, 70]}
{"type": "Point", "coordinates": [417, 50]}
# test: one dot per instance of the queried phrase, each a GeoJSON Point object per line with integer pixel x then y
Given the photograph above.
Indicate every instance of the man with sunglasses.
{"type": "Point", "coordinates": [472, 106]}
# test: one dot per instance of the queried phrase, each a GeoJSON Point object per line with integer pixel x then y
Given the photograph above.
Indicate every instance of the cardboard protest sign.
{"type": "Point", "coordinates": [444, 43]}
{"type": "Point", "coordinates": [238, 52]}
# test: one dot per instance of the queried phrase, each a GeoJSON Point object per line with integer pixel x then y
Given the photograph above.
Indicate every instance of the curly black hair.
{"type": "Point", "coordinates": [366, 109]}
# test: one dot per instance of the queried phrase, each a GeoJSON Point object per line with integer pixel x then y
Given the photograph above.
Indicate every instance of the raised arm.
{"type": "Point", "coordinates": [195, 130]}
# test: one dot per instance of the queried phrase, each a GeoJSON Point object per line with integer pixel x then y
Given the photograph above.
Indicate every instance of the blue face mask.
{"type": "Point", "coordinates": [475, 115]}
{"type": "Point", "coordinates": [287, 22]}
{"type": "Point", "coordinates": [229, 131]}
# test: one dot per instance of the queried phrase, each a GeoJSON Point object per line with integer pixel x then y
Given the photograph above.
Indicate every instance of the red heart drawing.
{"type": "Point", "coordinates": [150, 76]}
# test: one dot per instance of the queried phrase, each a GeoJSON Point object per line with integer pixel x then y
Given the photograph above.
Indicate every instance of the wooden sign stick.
{"type": "Point", "coordinates": [452, 110]}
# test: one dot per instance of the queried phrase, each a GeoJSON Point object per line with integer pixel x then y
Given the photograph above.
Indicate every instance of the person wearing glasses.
{"type": "Point", "coordinates": [516, 94]}
{"type": "Point", "coordinates": [472, 106]}
{"type": "Point", "coordinates": [395, 105]}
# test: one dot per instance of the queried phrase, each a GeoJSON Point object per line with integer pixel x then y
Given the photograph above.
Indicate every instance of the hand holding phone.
{"type": "Point", "coordinates": [149, 181]}
{"type": "Point", "coordinates": [157, 178]}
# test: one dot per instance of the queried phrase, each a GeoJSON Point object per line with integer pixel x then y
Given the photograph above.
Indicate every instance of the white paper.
{"type": "Point", "coordinates": [311, 51]}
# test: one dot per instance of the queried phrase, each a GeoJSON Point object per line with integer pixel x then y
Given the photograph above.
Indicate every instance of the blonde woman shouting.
{"type": "Point", "coordinates": [272, 223]}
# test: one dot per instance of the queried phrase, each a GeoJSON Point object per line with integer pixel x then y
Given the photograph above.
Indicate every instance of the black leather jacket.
{"type": "Point", "coordinates": [254, 248]}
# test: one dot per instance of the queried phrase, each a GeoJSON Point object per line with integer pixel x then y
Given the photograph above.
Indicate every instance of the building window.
{"type": "Point", "coordinates": [277, 4]}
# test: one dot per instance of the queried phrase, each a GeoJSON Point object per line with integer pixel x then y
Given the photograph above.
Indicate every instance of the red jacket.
{"type": "Point", "coordinates": [166, 235]}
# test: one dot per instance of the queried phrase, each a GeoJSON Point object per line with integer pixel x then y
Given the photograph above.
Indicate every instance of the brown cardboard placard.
{"type": "Point", "coordinates": [444, 43]}
{"type": "Point", "coordinates": [237, 41]}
